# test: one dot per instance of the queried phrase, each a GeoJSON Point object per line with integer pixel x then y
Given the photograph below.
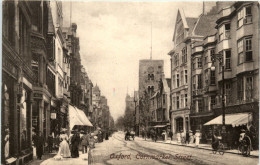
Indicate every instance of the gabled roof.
{"type": "Point", "coordinates": [205, 25]}
{"type": "Point", "coordinates": [188, 22]}
{"type": "Point", "coordinates": [50, 21]}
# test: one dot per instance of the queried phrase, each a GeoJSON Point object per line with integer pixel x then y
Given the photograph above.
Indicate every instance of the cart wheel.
{"type": "Point", "coordinates": [221, 149]}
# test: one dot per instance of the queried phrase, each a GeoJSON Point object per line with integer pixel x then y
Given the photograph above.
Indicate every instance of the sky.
{"type": "Point", "coordinates": [114, 36]}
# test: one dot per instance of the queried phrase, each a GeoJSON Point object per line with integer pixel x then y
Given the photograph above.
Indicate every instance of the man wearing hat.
{"type": "Point", "coordinates": [85, 142]}
{"type": "Point", "coordinates": [75, 140]}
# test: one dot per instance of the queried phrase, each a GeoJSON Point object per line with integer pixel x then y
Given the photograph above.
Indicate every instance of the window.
{"type": "Point", "coordinates": [164, 100]}
{"type": "Point", "coordinates": [224, 32]}
{"type": "Point", "coordinates": [8, 21]}
{"type": "Point", "coordinates": [206, 77]}
{"type": "Point", "coordinates": [182, 78]}
{"type": "Point", "coordinates": [221, 33]}
{"type": "Point", "coordinates": [240, 51]}
{"type": "Point", "coordinates": [178, 102]}
{"type": "Point", "coordinates": [178, 81]}
{"type": "Point", "coordinates": [194, 63]}
{"type": "Point", "coordinates": [248, 18]}
{"type": "Point", "coordinates": [212, 77]}
{"type": "Point", "coordinates": [194, 105]}
{"type": "Point", "coordinates": [240, 16]}
{"type": "Point", "coordinates": [212, 53]}
{"type": "Point", "coordinates": [249, 53]}
{"type": "Point", "coordinates": [200, 81]}
{"type": "Point", "coordinates": [228, 93]}
{"type": "Point", "coordinates": [249, 88]}
{"type": "Point", "coordinates": [150, 90]}
{"type": "Point", "coordinates": [199, 62]}
{"type": "Point", "coordinates": [182, 101]}
{"type": "Point", "coordinates": [173, 81]}
{"type": "Point", "coordinates": [35, 66]}
{"type": "Point", "coordinates": [205, 60]}
{"type": "Point", "coordinates": [200, 106]}
{"type": "Point", "coordinates": [23, 28]}
{"type": "Point", "coordinates": [186, 100]}
{"type": "Point", "coordinates": [186, 76]}
{"type": "Point", "coordinates": [227, 31]}
{"type": "Point", "coordinates": [228, 59]}
{"type": "Point", "coordinates": [240, 88]}
{"type": "Point", "coordinates": [176, 60]}
{"type": "Point", "coordinates": [212, 101]}
{"type": "Point", "coordinates": [206, 103]}
{"type": "Point", "coordinates": [194, 83]}
{"type": "Point", "coordinates": [150, 77]}
{"type": "Point", "coordinates": [184, 55]}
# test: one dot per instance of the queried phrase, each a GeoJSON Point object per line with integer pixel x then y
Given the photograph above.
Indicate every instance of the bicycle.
{"type": "Point", "coordinates": [220, 149]}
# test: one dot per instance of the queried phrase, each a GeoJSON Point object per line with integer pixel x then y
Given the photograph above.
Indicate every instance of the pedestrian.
{"type": "Point", "coordinates": [85, 142]}
{"type": "Point", "coordinates": [39, 145]}
{"type": "Point", "coordinates": [178, 137]}
{"type": "Point", "coordinates": [6, 144]}
{"type": "Point", "coordinates": [75, 140]}
{"type": "Point", "coordinates": [155, 136]}
{"type": "Point", "coordinates": [187, 141]}
{"type": "Point", "coordinates": [182, 137]}
{"type": "Point", "coordinates": [145, 134]}
{"type": "Point", "coordinates": [197, 138]}
{"type": "Point", "coordinates": [164, 135]}
{"type": "Point", "coordinates": [50, 143]}
{"type": "Point", "coordinates": [191, 137]}
{"type": "Point", "coordinates": [91, 146]}
{"type": "Point", "coordinates": [170, 134]}
{"type": "Point", "coordinates": [64, 150]}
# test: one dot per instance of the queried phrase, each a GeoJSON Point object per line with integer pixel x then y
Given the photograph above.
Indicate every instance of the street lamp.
{"type": "Point", "coordinates": [135, 115]}
{"type": "Point", "coordinates": [220, 58]}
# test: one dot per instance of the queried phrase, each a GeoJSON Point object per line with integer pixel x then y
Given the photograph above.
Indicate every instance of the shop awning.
{"type": "Point", "coordinates": [236, 119]}
{"type": "Point", "coordinates": [77, 118]}
{"type": "Point", "coordinates": [159, 126]}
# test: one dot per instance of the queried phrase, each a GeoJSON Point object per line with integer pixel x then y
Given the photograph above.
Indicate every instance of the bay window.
{"type": "Point", "coordinates": [212, 77]}
{"type": "Point", "coordinates": [199, 62]}
{"type": "Point", "coordinates": [244, 16]}
{"type": "Point", "coordinates": [240, 88]}
{"type": "Point", "coordinates": [240, 52]}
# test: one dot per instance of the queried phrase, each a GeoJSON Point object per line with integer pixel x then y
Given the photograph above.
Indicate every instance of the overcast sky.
{"type": "Point", "coordinates": [114, 36]}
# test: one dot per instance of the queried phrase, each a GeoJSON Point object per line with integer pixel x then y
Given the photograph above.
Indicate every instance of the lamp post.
{"type": "Point", "coordinates": [220, 58]}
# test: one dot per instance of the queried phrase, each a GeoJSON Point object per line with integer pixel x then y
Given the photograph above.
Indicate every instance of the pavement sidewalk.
{"type": "Point", "coordinates": [254, 153]}
{"type": "Point", "coordinates": [49, 160]}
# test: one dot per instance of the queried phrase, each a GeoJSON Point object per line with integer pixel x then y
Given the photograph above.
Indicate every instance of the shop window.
{"type": "Point", "coordinates": [179, 124]}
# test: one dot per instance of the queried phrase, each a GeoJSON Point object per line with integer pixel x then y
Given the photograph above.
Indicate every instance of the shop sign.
{"type": "Point", "coordinates": [53, 115]}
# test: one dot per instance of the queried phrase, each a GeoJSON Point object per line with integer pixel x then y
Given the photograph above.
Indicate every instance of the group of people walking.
{"type": "Point", "coordinates": [68, 145]}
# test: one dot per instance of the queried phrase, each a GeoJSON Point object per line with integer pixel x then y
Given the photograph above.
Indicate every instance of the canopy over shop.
{"type": "Point", "coordinates": [235, 120]}
{"type": "Point", "coordinates": [78, 119]}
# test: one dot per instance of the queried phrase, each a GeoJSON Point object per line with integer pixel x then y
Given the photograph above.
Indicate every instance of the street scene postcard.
{"type": "Point", "coordinates": [130, 82]}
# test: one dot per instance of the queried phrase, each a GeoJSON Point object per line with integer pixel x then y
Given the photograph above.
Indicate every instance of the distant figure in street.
{"type": "Point", "coordinates": [164, 135]}
{"type": "Point", "coordinates": [75, 140]}
{"type": "Point", "coordinates": [50, 143]}
{"type": "Point", "coordinates": [197, 138]}
{"type": "Point", "coordinates": [178, 137]}
{"type": "Point", "coordinates": [187, 141]}
{"type": "Point", "coordinates": [191, 137]}
{"type": "Point", "coordinates": [170, 134]}
{"type": "Point", "coordinates": [39, 145]}
{"type": "Point", "coordinates": [145, 134]}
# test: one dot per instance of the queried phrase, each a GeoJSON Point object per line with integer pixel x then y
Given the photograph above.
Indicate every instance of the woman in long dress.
{"type": "Point", "coordinates": [197, 138]}
{"type": "Point", "coordinates": [64, 150]}
{"type": "Point", "coordinates": [7, 143]}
